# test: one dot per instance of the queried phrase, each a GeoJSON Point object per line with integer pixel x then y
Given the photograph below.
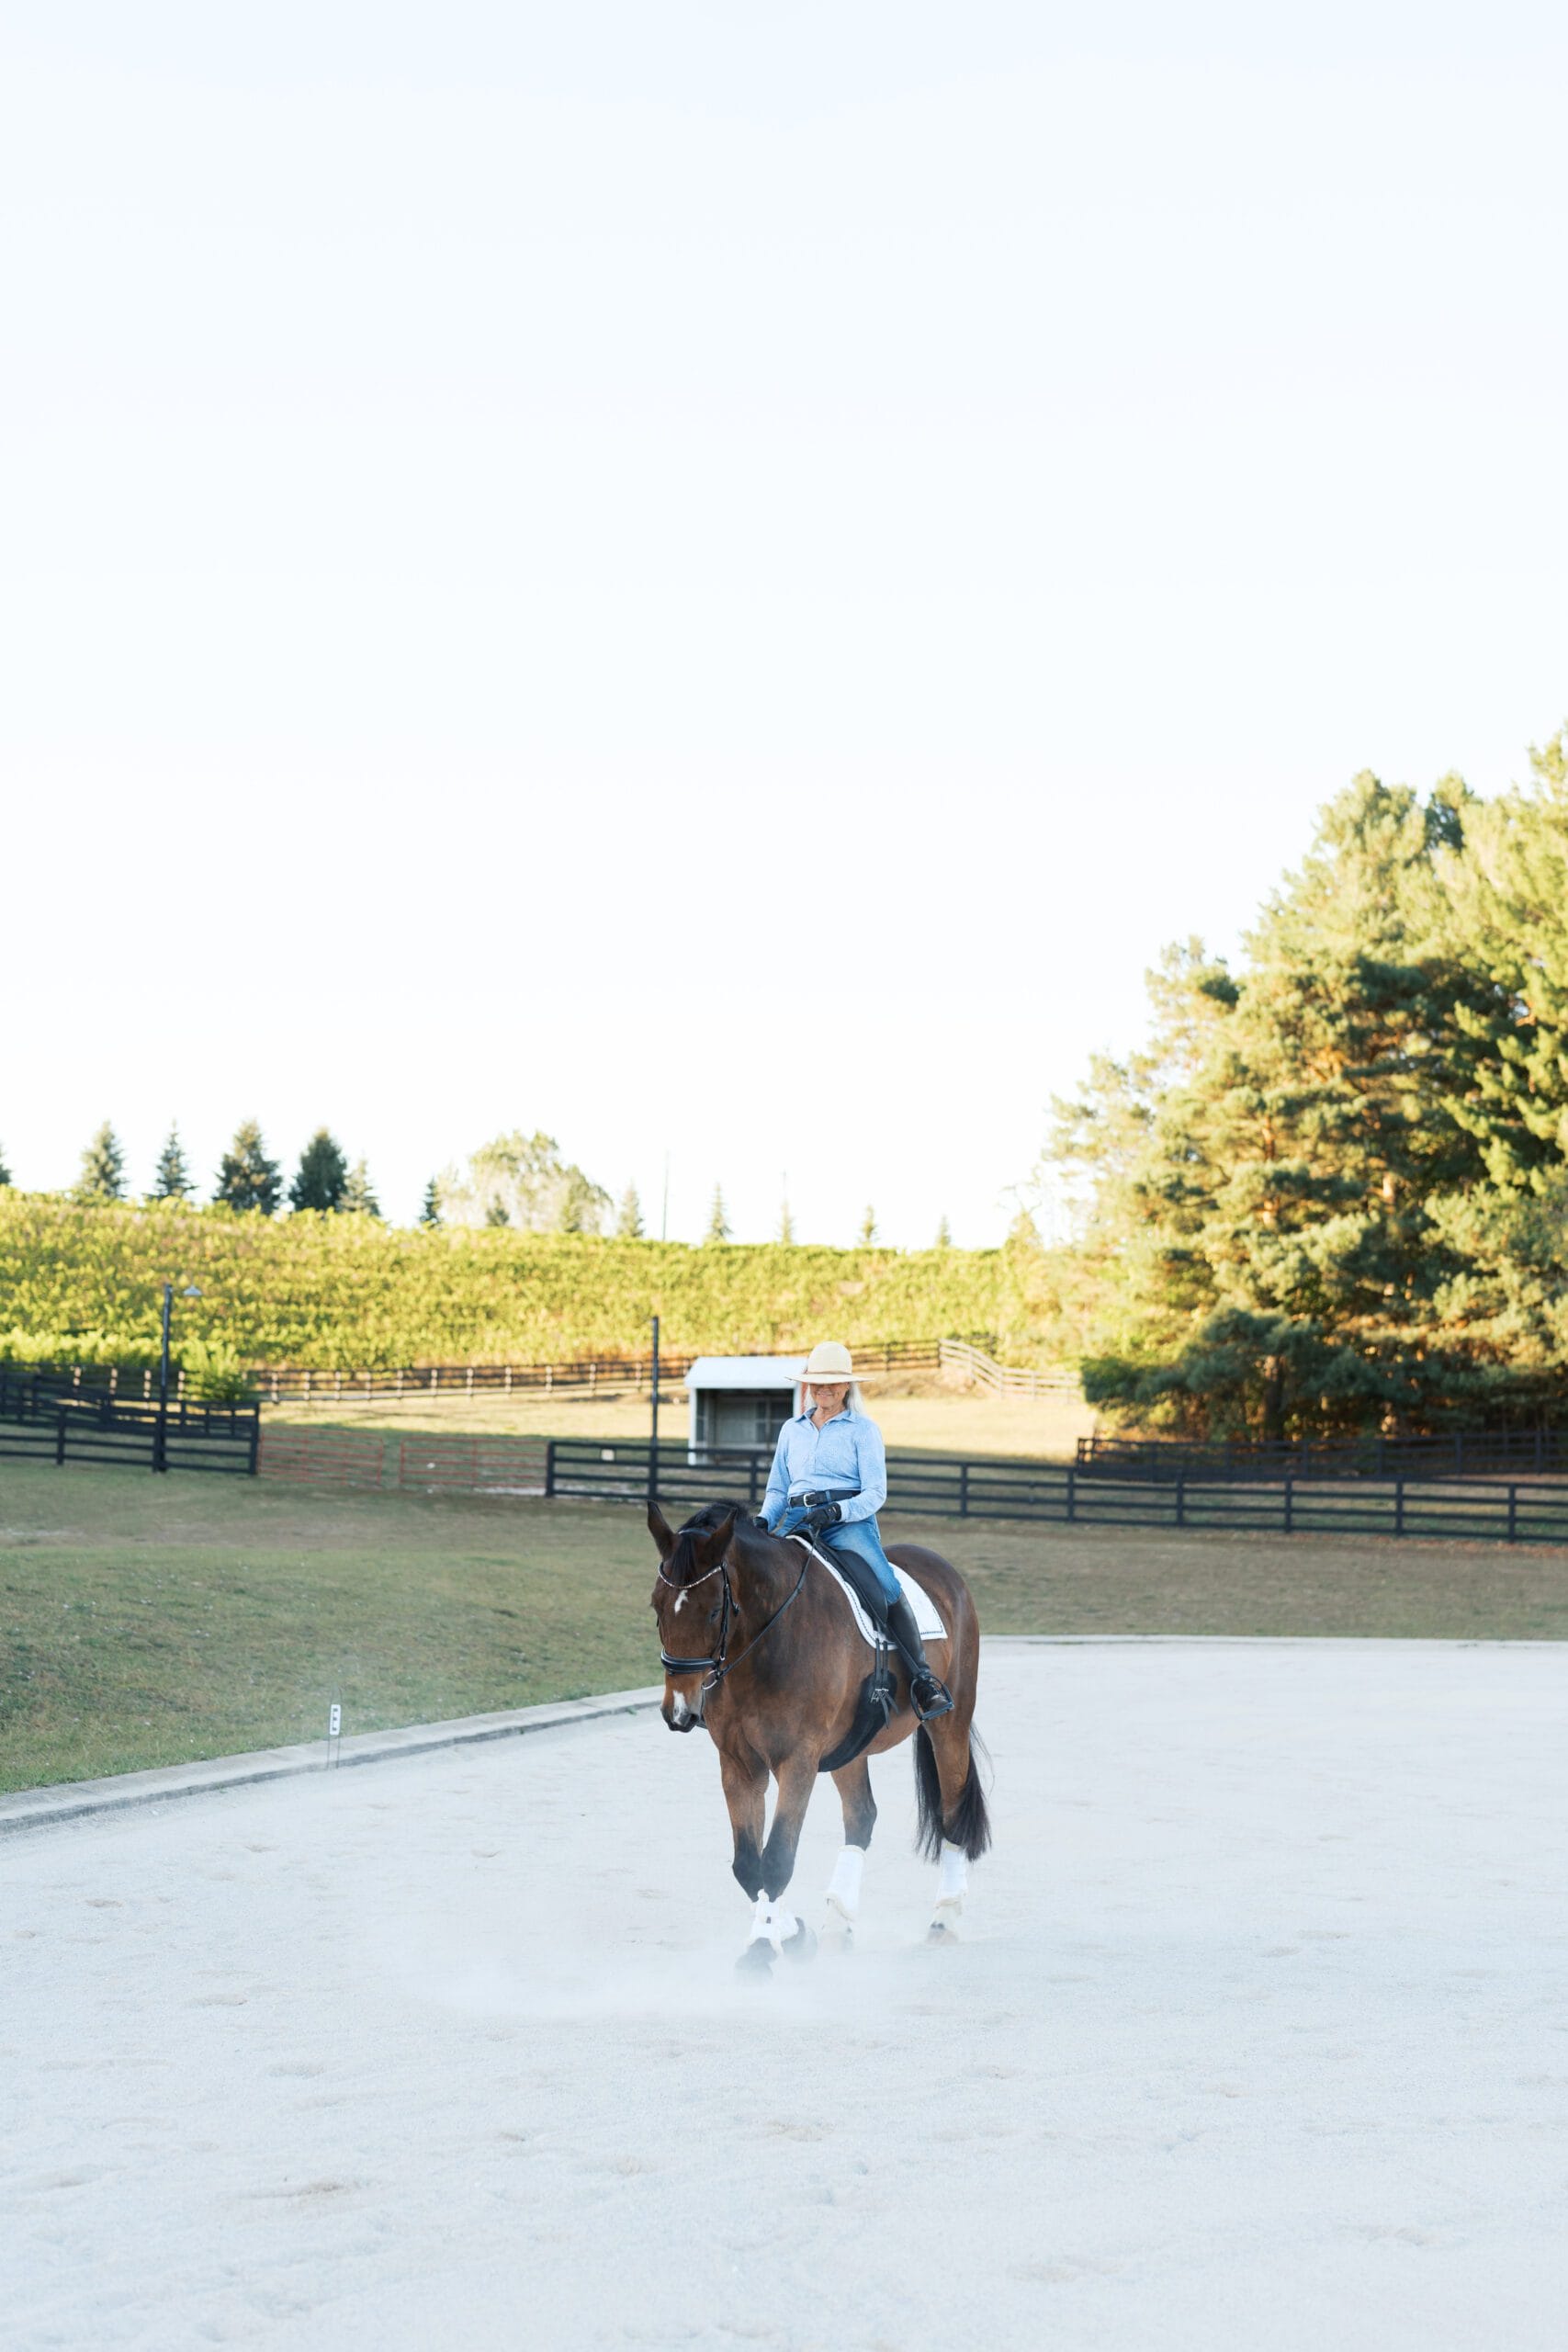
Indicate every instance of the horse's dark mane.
{"type": "Point", "coordinates": [681, 1565]}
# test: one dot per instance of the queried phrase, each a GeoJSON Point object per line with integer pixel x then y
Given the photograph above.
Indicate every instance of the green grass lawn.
{"type": "Point", "coordinates": [149, 1621]}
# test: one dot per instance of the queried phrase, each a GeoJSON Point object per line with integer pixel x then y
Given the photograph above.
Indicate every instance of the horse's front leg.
{"type": "Point", "coordinates": [774, 1927]}
{"type": "Point", "coordinates": [853, 1784]}
{"type": "Point", "coordinates": [744, 1777]}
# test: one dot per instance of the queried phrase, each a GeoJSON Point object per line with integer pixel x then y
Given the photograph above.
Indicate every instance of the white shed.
{"type": "Point", "coordinates": [742, 1401]}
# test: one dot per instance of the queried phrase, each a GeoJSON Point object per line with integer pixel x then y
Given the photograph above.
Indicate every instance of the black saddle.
{"type": "Point", "coordinates": [863, 1581]}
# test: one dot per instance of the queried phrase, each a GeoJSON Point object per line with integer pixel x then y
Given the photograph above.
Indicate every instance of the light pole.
{"type": "Point", "coordinates": [161, 1434]}
{"type": "Point", "coordinates": [653, 1438]}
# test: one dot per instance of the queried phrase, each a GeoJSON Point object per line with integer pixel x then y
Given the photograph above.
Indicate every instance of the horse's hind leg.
{"type": "Point", "coordinates": [853, 1784]}
{"type": "Point", "coordinates": [948, 1763]}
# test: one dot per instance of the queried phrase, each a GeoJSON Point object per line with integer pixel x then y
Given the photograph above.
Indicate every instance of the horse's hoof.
{"type": "Point", "coordinates": [944, 1928]}
{"type": "Point", "coordinates": [802, 1945]}
{"type": "Point", "coordinates": [757, 1959]}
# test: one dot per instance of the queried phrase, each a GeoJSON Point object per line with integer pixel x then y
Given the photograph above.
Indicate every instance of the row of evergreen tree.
{"type": "Point", "coordinates": [1331, 1191]}
{"type": "Point", "coordinates": [248, 1177]}
{"type": "Point", "coordinates": [518, 1180]}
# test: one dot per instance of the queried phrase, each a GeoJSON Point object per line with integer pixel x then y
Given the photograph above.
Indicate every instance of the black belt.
{"type": "Point", "coordinates": [813, 1503]}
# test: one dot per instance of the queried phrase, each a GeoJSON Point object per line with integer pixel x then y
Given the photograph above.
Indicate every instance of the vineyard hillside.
{"type": "Point", "coordinates": [82, 1281]}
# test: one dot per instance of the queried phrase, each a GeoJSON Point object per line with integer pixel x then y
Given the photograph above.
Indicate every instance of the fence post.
{"type": "Point", "coordinates": [1181, 1499]}
{"type": "Point", "coordinates": [1399, 1506]}
{"type": "Point", "coordinates": [255, 1442]}
{"type": "Point", "coordinates": [549, 1466]}
{"type": "Point", "coordinates": [1072, 1493]}
{"type": "Point", "coordinates": [1290, 1500]}
{"type": "Point", "coordinates": [1513, 1513]}
{"type": "Point", "coordinates": [60, 1436]}
{"type": "Point", "coordinates": [964, 1490]}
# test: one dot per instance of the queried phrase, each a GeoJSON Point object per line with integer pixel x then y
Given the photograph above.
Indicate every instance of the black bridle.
{"type": "Point", "coordinates": [719, 1663]}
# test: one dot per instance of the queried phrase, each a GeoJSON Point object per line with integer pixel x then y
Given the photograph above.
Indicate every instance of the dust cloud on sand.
{"type": "Point", "coordinates": [1256, 2037]}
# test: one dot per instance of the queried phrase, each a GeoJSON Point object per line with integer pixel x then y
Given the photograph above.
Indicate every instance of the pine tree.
{"type": "Point", "coordinates": [943, 1232]}
{"type": "Point", "coordinates": [786, 1226]}
{"type": "Point", "coordinates": [430, 1207]}
{"type": "Point", "coordinates": [358, 1197]}
{"type": "Point", "coordinates": [102, 1167]}
{"type": "Point", "coordinates": [628, 1217]}
{"type": "Point", "coordinates": [171, 1179]}
{"type": "Point", "coordinates": [868, 1228]}
{"type": "Point", "coordinates": [1268, 1174]}
{"type": "Point", "coordinates": [4, 1171]}
{"type": "Point", "coordinates": [718, 1224]}
{"type": "Point", "coordinates": [247, 1177]}
{"type": "Point", "coordinates": [1509, 894]}
{"type": "Point", "coordinates": [323, 1174]}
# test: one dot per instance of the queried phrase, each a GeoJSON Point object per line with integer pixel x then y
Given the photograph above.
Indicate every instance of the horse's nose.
{"type": "Point", "coordinates": [679, 1715]}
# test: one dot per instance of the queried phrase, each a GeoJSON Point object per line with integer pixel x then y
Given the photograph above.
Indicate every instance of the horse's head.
{"type": "Point", "coordinates": [693, 1605]}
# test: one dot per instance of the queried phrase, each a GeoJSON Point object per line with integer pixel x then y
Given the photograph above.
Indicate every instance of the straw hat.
{"type": "Point", "coordinates": [827, 1365]}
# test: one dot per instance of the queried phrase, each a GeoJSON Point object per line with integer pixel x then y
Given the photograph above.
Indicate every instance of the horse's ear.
{"type": "Point", "coordinates": [658, 1527]}
{"type": "Point", "coordinates": [716, 1544]}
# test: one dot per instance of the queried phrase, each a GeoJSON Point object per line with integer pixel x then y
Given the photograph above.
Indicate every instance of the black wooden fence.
{"type": "Point", "coordinates": [1457, 1454]}
{"type": "Point", "coordinates": [929, 1486]}
{"type": "Point", "coordinates": [39, 1424]}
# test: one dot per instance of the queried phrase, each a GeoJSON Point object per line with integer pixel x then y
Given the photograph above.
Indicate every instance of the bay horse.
{"type": "Point", "coordinates": [761, 1650]}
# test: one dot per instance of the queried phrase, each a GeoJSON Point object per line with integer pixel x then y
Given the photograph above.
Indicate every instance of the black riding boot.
{"type": "Point", "coordinates": [930, 1696]}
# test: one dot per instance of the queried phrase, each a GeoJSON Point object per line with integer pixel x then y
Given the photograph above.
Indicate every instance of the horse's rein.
{"type": "Point", "coordinates": [720, 1664]}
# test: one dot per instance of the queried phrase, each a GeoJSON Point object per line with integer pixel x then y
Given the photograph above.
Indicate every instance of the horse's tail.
{"type": "Point", "coordinates": [969, 1825]}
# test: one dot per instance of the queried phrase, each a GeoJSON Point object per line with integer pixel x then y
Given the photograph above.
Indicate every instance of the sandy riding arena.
{"type": "Point", "coordinates": [1256, 2037]}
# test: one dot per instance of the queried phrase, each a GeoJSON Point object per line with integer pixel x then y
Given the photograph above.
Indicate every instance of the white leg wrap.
{"type": "Point", "coordinates": [954, 1877]}
{"type": "Point", "coordinates": [843, 1887]}
{"type": "Point", "coordinates": [770, 1923]}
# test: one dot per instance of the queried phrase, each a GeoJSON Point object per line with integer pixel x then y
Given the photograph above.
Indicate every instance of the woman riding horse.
{"type": "Point", "coordinates": [829, 1476]}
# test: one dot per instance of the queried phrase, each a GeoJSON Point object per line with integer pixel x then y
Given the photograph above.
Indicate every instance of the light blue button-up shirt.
{"type": "Point", "coordinates": [848, 1452]}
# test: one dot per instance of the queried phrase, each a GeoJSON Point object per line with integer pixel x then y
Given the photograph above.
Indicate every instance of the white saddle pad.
{"type": "Point", "coordinates": [927, 1619]}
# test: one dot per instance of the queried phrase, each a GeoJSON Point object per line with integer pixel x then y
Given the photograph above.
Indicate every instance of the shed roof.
{"type": "Point", "coordinates": [745, 1371]}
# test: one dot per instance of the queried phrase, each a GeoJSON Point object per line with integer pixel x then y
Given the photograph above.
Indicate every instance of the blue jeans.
{"type": "Point", "coordinates": [860, 1536]}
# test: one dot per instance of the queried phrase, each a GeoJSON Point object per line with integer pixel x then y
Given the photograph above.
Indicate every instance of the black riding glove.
{"type": "Point", "coordinates": [819, 1516]}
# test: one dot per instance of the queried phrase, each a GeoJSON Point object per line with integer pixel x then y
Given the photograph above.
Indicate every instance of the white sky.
{"type": "Point", "coordinates": [718, 579]}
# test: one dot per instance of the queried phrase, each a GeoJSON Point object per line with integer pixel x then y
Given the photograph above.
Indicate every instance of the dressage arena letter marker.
{"type": "Point", "coordinates": [335, 1729]}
